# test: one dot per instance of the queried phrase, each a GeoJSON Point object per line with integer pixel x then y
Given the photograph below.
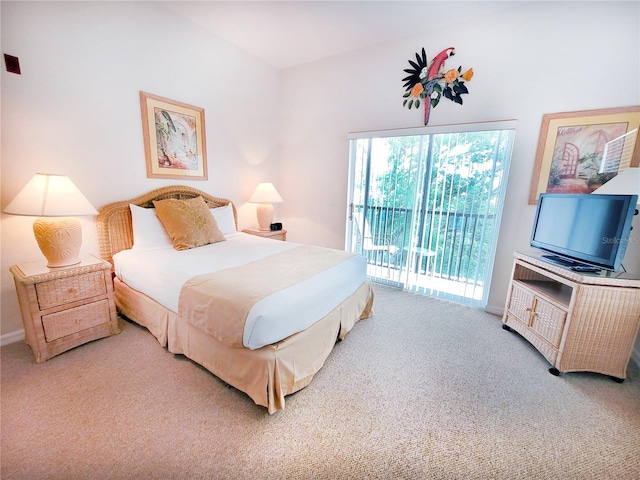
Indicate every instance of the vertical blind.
{"type": "Point", "coordinates": [425, 206]}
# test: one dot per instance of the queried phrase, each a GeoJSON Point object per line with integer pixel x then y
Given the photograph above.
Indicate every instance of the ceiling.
{"type": "Point", "coordinates": [289, 33]}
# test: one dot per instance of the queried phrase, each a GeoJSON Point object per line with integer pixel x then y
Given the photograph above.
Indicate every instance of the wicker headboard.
{"type": "Point", "coordinates": [114, 219]}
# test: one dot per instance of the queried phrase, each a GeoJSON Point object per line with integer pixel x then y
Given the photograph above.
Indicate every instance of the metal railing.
{"type": "Point", "coordinates": [455, 242]}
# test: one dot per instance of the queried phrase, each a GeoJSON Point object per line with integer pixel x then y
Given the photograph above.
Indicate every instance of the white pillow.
{"type": "Point", "coordinates": [148, 231]}
{"type": "Point", "coordinates": [224, 218]}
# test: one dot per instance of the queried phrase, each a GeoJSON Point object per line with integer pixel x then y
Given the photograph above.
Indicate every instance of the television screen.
{"type": "Point", "coordinates": [584, 229]}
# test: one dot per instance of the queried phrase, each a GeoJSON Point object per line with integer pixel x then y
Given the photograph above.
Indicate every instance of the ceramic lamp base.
{"type": "Point", "coordinates": [264, 211]}
{"type": "Point", "coordinates": [59, 239]}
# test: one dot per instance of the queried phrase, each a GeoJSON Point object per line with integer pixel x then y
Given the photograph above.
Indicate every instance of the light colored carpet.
{"type": "Point", "coordinates": [425, 389]}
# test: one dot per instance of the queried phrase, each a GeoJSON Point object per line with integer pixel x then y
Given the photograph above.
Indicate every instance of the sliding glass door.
{"type": "Point", "coordinates": [425, 205]}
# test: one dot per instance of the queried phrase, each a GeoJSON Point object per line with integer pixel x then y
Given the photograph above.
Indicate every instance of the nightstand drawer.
{"type": "Point", "coordinates": [66, 290]}
{"type": "Point", "coordinates": [67, 322]}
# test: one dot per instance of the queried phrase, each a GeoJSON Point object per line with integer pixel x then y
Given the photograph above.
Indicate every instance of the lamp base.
{"type": "Point", "coordinates": [264, 211]}
{"type": "Point", "coordinates": [59, 239]}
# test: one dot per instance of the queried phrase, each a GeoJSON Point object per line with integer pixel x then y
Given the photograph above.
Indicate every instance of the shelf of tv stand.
{"type": "Point", "coordinates": [556, 292]}
{"type": "Point", "coordinates": [579, 321]}
{"type": "Point", "coordinates": [601, 277]}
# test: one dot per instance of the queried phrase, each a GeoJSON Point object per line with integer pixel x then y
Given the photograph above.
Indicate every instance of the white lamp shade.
{"type": "Point", "coordinates": [627, 182]}
{"type": "Point", "coordinates": [265, 193]}
{"type": "Point", "coordinates": [48, 195]}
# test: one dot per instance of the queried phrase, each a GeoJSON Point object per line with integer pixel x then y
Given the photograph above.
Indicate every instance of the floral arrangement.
{"type": "Point", "coordinates": [430, 82]}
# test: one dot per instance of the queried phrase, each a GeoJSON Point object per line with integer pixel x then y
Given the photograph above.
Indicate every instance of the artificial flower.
{"type": "Point", "coordinates": [451, 75]}
{"type": "Point", "coordinates": [468, 75]}
{"type": "Point", "coordinates": [417, 90]}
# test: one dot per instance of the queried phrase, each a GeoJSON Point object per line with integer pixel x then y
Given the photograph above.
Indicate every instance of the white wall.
{"type": "Point", "coordinates": [75, 110]}
{"type": "Point", "coordinates": [535, 58]}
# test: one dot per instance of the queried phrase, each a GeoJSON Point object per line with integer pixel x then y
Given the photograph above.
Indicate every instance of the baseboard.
{"type": "Point", "coordinates": [12, 337]}
{"type": "Point", "coordinates": [494, 310]}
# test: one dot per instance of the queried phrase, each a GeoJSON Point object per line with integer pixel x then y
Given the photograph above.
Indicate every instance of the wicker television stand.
{"type": "Point", "coordinates": [577, 321]}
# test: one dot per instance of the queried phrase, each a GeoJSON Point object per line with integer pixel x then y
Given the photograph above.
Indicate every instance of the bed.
{"type": "Point", "coordinates": [261, 315]}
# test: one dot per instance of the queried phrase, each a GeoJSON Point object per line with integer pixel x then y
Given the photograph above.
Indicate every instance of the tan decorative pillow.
{"type": "Point", "coordinates": [189, 223]}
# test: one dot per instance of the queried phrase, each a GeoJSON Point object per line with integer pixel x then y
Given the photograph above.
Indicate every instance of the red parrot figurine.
{"type": "Point", "coordinates": [433, 73]}
{"type": "Point", "coordinates": [428, 82]}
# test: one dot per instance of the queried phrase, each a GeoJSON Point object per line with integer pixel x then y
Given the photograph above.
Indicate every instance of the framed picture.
{"type": "Point", "coordinates": [174, 138]}
{"type": "Point", "coordinates": [579, 151]}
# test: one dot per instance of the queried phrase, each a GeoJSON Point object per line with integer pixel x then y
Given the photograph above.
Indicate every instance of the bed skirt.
{"type": "Point", "coordinates": [267, 374]}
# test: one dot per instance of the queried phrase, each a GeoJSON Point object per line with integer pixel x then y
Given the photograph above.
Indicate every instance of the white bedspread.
{"type": "Point", "coordinates": [160, 274]}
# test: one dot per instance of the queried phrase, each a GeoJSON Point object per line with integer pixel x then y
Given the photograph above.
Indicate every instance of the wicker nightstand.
{"type": "Point", "coordinates": [273, 235]}
{"type": "Point", "coordinates": [65, 307]}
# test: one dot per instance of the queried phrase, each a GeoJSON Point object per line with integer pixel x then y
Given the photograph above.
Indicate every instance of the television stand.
{"type": "Point", "coordinates": [578, 321]}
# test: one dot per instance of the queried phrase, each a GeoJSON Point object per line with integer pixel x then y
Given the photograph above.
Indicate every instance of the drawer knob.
{"type": "Point", "coordinates": [78, 321]}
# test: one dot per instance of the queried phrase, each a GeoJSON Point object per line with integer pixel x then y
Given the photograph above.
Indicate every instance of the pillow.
{"type": "Point", "coordinates": [148, 231]}
{"type": "Point", "coordinates": [225, 219]}
{"type": "Point", "coordinates": [189, 223]}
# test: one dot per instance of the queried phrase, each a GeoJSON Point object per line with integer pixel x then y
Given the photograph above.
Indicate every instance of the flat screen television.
{"type": "Point", "coordinates": [583, 231]}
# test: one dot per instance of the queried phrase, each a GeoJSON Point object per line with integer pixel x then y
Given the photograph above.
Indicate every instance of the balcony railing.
{"type": "Point", "coordinates": [450, 245]}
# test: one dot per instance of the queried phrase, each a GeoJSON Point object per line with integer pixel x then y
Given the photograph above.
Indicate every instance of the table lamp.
{"type": "Point", "coordinates": [57, 200]}
{"type": "Point", "coordinates": [265, 195]}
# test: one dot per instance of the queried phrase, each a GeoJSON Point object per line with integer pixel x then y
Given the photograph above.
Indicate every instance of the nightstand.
{"type": "Point", "coordinates": [65, 307]}
{"type": "Point", "coordinates": [273, 235]}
